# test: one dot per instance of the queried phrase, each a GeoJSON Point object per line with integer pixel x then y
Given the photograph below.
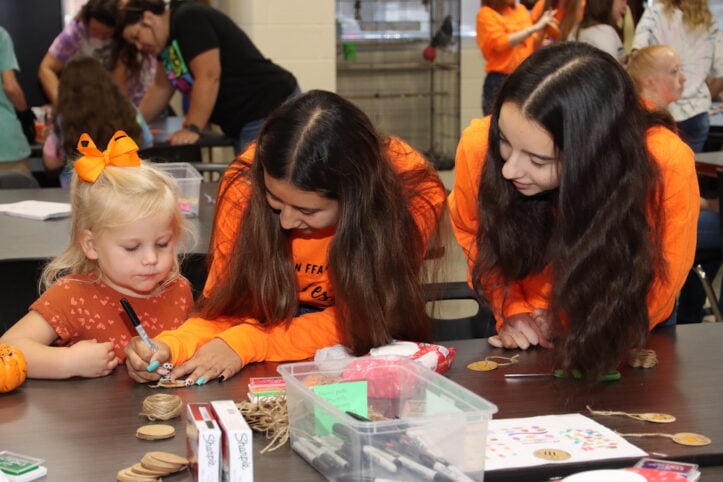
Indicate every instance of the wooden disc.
{"type": "Point", "coordinates": [691, 439]}
{"type": "Point", "coordinates": [126, 475]}
{"type": "Point", "coordinates": [657, 417]}
{"type": "Point", "coordinates": [169, 457]}
{"type": "Point", "coordinates": [155, 432]}
{"type": "Point", "coordinates": [551, 454]}
{"type": "Point", "coordinates": [169, 384]}
{"type": "Point", "coordinates": [482, 365]}
{"type": "Point", "coordinates": [141, 470]}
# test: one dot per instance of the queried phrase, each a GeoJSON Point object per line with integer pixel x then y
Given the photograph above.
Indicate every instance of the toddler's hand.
{"type": "Point", "coordinates": [92, 359]}
{"type": "Point", "coordinates": [140, 358]}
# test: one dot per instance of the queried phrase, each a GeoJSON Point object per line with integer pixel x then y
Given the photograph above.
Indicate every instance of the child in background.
{"type": "Point", "coordinates": [89, 101]}
{"type": "Point", "coordinates": [126, 227]}
{"type": "Point", "coordinates": [599, 27]}
{"type": "Point", "coordinates": [576, 208]}
{"type": "Point", "coordinates": [658, 76]}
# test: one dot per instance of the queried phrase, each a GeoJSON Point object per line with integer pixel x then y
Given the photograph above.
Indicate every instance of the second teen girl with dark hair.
{"type": "Point", "coordinates": [576, 208]}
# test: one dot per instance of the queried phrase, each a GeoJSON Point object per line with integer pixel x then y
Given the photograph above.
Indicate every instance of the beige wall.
{"type": "Point", "coordinates": [296, 34]}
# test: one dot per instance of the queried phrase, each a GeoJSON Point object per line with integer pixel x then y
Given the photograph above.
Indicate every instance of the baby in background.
{"type": "Point", "coordinates": [126, 227]}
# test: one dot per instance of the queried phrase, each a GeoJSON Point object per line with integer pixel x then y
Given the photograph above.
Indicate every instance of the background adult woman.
{"type": "Point", "coordinates": [598, 26]}
{"type": "Point", "coordinates": [506, 36]}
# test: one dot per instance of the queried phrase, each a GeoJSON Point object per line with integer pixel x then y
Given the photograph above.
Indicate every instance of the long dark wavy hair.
{"type": "Point", "coordinates": [89, 101]}
{"type": "Point", "coordinates": [601, 230]}
{"type": "Point", "coordinates": [322, 143]}
{"type": "Point", "coordinates": [597, 12]}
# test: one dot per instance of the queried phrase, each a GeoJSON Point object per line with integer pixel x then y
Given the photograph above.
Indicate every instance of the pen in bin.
{"type": "Point", "coordinates": [137, 324]}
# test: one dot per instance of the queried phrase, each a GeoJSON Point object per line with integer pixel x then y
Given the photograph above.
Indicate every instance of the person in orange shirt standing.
{"type": "Point", "coordinates": [320, 237]}
{"type": "Point", "coordinates": [506, 36]}
{"type": "Point", "coordinates": [568, 14]}
{"type": "Point", "coordinates": [576, 208]}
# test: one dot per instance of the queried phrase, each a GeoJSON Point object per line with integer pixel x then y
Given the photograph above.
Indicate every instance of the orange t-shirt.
{"type": "Point", "coordinates": [681, 204]}
{"type": "Point", "coordinates": [79, 307]}
{"type": "Point", "coordinates": [309, 332]}
{"type": "Point", "coordinates": [493, 30]}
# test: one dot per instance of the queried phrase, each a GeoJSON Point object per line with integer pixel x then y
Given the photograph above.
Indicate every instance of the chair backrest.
{"type": "Point", "coordinates": [195, 269]}
{"type": "Point", "coordinates": [473, 325]}
{"type": "Point", "coordinates": [17, 180]}
{"type": "Point", "coordinates": [18, 288]}
{"type": "Point", "coordinates": [184, 153]}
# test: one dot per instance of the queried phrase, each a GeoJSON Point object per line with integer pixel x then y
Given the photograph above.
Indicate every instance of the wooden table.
{"type": "Point", "coordinates": [85, 428]}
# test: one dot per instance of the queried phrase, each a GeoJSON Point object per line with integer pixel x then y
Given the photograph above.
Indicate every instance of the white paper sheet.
{"type": "Point", "coordinates": [511, 442]}
{"type": "Point", "coordinates": [40, 210]}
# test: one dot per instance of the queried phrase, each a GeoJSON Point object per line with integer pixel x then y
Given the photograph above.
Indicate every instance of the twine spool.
{"type": "Point", "coordinates": [270, 416]}
{"type": "Point", "coordinates": [162, 407]}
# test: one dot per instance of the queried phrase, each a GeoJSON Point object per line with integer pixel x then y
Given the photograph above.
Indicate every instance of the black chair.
{"type": "Point", "coordinates": [464, 327]}
{"type": "Point", "coordinates": [195, 269]}
{"type": "Point", "coordinates": [18, 288]}
{"type": "Point", "coordinates": [17, 180]}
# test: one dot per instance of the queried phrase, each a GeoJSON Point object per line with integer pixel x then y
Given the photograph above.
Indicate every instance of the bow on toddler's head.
{"type": "Point", "coordinates": [122, 151]}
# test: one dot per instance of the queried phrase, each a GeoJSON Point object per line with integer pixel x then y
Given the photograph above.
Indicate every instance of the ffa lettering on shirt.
{"type": "Point", "coordinates": [177, 72]}
{"type": "Point", "coordinates": [314, 287]}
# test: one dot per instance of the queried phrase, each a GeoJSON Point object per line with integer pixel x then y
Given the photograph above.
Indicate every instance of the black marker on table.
{"type": "Point", "coordinates": [137, 324]}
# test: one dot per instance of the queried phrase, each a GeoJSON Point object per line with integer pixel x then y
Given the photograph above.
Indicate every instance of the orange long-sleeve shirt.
{"type": "Point", "coordinates": [493, 30]}
{"type": "Point", "coordinates": [681, 204]}
{"type": "Point", "coordinates": [306, 333]}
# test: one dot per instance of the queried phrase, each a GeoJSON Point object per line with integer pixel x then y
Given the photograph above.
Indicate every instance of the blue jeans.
{"type": "Point", "coordinates": [250, 130]}
{"type": "Point", "coordinates": [490, 89]}
{"type": "Point", "coordinates": [692, 295]}
{"type": "Point", "coordinates": [694, 131]}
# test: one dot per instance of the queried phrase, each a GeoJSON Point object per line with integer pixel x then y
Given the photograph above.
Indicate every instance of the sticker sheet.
{"type": "Point", "coordinates": [526, 442]}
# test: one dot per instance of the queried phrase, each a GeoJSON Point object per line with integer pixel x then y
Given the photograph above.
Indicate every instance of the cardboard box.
{"type": "Point", "coordinates": [430, 428]}
{"type": "Point", "coordinates": [189, 184]}
{"type": "Point", "coordinates": [237, 448]}
{"type": "Point", "coordinates": [203, 440]}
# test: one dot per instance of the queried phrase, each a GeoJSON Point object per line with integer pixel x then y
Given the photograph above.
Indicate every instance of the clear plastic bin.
{"type": "Point", "coordinates": [189, 183]}
{"type": "Point", "coordinates": [426, 426]}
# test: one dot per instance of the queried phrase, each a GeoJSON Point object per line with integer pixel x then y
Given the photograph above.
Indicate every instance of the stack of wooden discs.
{"type": "Point", "coordinates": [152, 466]}
{"type": "Point", "coordinates": [155, 432]}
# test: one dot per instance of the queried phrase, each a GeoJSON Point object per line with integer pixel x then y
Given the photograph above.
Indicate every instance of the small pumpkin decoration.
{"type": "Point", "coordinates": [13, 368]}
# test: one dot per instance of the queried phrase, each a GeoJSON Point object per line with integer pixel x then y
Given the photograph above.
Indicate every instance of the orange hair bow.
{"type": "Point", "coordinates": [122, 151]}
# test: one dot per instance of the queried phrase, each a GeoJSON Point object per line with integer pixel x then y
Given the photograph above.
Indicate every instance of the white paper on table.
{"type": "Point", "coordinates": [40, 210]}
{"type": "Point", "coordinates": [511, 442]}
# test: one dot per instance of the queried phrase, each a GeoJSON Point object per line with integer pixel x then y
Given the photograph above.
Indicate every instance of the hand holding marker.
{"type": "Point", "coordinates": [140, 330]}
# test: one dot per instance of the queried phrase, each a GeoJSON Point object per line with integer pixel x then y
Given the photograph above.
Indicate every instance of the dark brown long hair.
{"type": "Point", "coordinates": [601, 230]}
{"type": "Point", "coordinates": [89, 101]}
{"type": "Point", "coordinates": [571, 17]}
{"type": "Point", "coordinates": [322, 143]}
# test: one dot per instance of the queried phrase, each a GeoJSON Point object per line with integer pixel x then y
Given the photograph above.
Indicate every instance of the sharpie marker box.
{"type": "Point", "coordinates": [425, 427]}
{"type": "Point", "coordinates": [237, 454]}
{"type": "Point", "coordinates": [203, 440]}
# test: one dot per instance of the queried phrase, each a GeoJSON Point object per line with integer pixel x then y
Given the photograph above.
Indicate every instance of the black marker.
{"type": "Point", "coordinates": [137, 324]}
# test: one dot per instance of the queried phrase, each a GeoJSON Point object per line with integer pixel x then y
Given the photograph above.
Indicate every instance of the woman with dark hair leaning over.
{"type": "Point", "coordinates": [577, 208]}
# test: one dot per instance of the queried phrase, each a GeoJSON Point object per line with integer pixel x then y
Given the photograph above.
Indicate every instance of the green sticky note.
{"type": "Point", "coordinates": [346, 396]}
{"type": "Point", "coordinates": [437, 403]}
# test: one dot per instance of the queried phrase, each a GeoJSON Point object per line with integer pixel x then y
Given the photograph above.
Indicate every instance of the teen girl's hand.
{"type": "Point", "coordinates": [142, 363]}
{"type": "Point", "coordinates": [213, 360]}
{"type": "Point", "coordinates": [522, 331]}
{"type": "Point", "coordinates": [92, 359]}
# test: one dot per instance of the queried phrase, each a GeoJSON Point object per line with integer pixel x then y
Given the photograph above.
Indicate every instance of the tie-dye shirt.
{"type": "Point", "coordinates": [75, 40]}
